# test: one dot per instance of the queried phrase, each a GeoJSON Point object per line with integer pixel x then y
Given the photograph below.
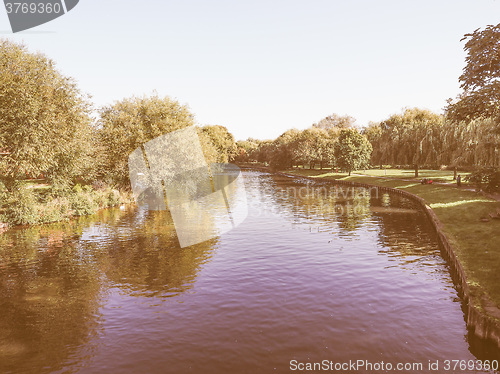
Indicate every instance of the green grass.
{"type": "Point", "coordinates": [444, 176]}
{"type": "Point", "coordinates": [477, 243]}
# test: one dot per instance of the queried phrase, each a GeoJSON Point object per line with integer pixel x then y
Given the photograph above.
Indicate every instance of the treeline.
{"type": "Point", "coordinates": [47, 128]}
{"type": "Point", "coordinates": [416, 138]}
{"type": "Point", "coordinates": [49, 132]}
{"type": "Point", "coordinates": [332, 142]}
{"type": "Point", "coordinates": [421, 138]}
{"type": "Point", "coordinates": [465, 136]}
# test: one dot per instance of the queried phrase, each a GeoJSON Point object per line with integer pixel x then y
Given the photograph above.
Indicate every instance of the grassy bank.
{"type": "Point", "coordinates": [460, 210]}
{"type": "Point", "coordinates": [38, 204]}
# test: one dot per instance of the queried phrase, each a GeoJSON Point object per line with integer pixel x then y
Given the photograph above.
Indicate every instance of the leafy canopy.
{"type": "Point", "coordinates": [480, 78]}
{"type": "Point", "coordinates": [352, 150]}
{"type": "Point", "coordinates": [131, 122]}
{"type": "Point", "coordinates": [45, 127]}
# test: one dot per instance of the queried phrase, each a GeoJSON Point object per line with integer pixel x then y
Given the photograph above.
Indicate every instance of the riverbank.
{"type": "Point", "coordinates": [43, 204]}
{"type": "Point", "coordinates": [469, 241]}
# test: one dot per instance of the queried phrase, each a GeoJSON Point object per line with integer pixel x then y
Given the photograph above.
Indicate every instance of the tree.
{"type": "Point", "coordinates": [246, 150]}
{"type": "Point", "coordinates": [45, 127]}
{"type": "Point", "coordinates": [223, 141]}
{"type": "Point", "coordinates": [285, 152]}
{"type": "Point", "coordinates": [374, 134]}
{"type": "Point", "coordinates": [411, 138]}
{"type": "Point", "coordinates": [335, 121]}
{"type": "Point", "coordinates": [352, 150]}
{"type": "Point", "coordinates": [127, 124]}
{"type": "Point", "coordinates": [480, 80]}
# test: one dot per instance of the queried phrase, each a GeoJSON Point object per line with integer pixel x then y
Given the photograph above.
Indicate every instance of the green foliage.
{"type": "Point", "coordinates": [281, 153]}
{"type": "Point", "coordinates": [23, 207]}
{"type": "Point", "coordinates": [222, 141]}
{"type": "Point", "coordinates": [471, 143]}
{"type": "Point", "coordinates": [352, 150]}
{"type": "Point", "coordinates": [54, 210]}
{"type": "Point", "coordinates": [473, 129]}
{"type": "Point", "coordinates": [480, 78]}
{"type": "Point", "coordinates": [486, 178]}
{"type": "Point", "coordinates": [127, 124]}
{"type": "Point", "coordinates": [45, 127]}
{"type": "Point", "coordinates": [83, 203]}
{"type": "Point", "coordinates": [245, 150]}
{"type": "Point", "coordinates": [411, 138]}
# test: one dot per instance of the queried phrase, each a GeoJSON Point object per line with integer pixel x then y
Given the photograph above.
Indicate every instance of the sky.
{"type": "Point", "coordinates": [262, 67]}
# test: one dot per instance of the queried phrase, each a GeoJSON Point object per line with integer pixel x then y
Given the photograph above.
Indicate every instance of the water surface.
{"type": "Point", "coordinates": [309, 276]}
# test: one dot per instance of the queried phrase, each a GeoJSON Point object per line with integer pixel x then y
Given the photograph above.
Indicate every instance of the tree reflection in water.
{"type": "Point", "coordinates": [52, 279]}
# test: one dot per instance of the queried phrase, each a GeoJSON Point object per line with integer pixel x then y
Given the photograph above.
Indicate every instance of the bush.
{"type": "Point", "coordinates": [113, 198]}
{"type": "Point", "coordinates": [485, 178]}
{"type": "Point", "coordinates": [60, 188]}
{"type": "Point", "coordinates": [23, 208]}
{"type": "Point", "coordinates": [83, 203]}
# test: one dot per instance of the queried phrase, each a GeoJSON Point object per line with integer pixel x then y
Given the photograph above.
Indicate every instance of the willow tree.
{"type": "Point", "coordinates": [45, 127]}
{"type": "Point", "coordinates": [415, 137]}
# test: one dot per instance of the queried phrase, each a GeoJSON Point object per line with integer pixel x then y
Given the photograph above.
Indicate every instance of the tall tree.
{"type": "Point", "coordinates": [45, 127]}
{"type": "Point", "coordinates": [285, 152]}
{"type": "Point", "coordinates": [223, 141]}
{"type": "Point", "coordinates": [412, 138]}
{"type": "Point", "coordinates": [480, 80]}
{"type": "Point", "coordinates": [352, 150]}
{"type": "Point", "coordinates": [129, 123]}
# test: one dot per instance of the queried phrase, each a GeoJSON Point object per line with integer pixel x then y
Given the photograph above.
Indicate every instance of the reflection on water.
{"type": "Point", "coordinates": [53, 279]}
{"type": "Point", "coordinates": [315, 272]}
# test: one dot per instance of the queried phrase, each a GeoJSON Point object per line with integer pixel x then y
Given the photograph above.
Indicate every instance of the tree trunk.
{"type": "Point", "coordinates": [455, 174]}
{"type": "Point", "coordinates": [321, 165]}
{"type": "Point", "coordinates": [416, 170]}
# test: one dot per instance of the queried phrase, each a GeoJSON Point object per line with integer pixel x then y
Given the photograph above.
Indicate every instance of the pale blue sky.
{"type": "Point", "coordinates": [261, 67]}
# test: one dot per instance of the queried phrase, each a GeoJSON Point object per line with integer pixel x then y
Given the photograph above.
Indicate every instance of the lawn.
{"type": "Point", "coordinates": [477, 243]}
{"type": "Point", "coordinates": [443, 176]}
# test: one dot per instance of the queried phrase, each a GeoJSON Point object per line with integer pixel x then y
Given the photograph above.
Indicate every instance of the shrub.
{"type": "Point", "coordinates": [485, 178]}
{"type": "Point", "coordinates": [113, 198]}
{"type": "Point", "coordinates": [58, 209]}
{"type": "Point", "coordinates": [23, 208]}
{"type": "Point", "coordinates": [83, 203]}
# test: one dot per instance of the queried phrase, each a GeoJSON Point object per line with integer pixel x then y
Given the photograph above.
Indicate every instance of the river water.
{"type": "Point", "coordinates": [314, 273]}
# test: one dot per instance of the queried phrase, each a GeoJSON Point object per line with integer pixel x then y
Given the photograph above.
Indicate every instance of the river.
{"type": "Point", "coordinates": [315, 273]}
